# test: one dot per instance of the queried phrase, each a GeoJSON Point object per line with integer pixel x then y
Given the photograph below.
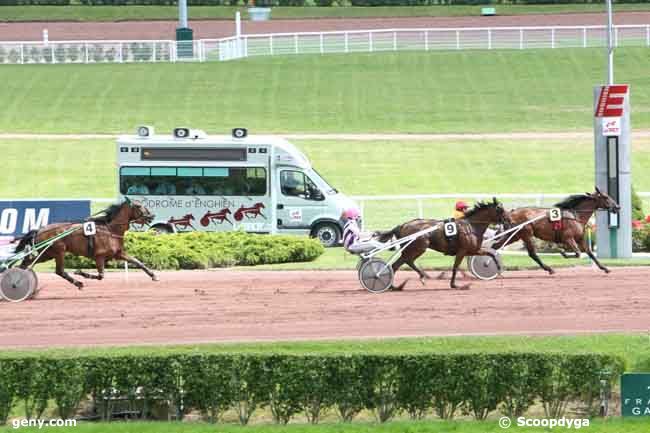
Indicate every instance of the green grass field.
{"type": "Point", "coordinates": [634, 348]}
{"type": "Point", "coordinates": [121, 13]}
{"type": "Point", "coordinates": [595, 426]}
{"type": "Point", "coordinates": [498, 91]}
{"type": "Point", "coordinates": [366, 168]}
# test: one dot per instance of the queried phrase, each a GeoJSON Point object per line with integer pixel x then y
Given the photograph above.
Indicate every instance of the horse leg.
{"type": "Point", "coordinates": [584, 247]}
{"type": "Point", "coordinates": [423, 275]}
{"type": "Point", "coordinates": [60, 271]}
{"type": "Point", "coordinates": [399, 262]}
{"type": "Point", "coordinates": [457, 261]}
{"type": "Point", "coordinates": [532, 253]}
{"type": "Point", "coordinates": [573, 246]}
{"type": "Point", "coordinates": [99, 261]}
{"type": "Point", "coordinates": [137, 263]}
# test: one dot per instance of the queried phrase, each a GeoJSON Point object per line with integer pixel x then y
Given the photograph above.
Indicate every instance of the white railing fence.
{"type": "Point", "coordinates": [203, 50]}
{"type": "Point", "coordinates": [383, 212]}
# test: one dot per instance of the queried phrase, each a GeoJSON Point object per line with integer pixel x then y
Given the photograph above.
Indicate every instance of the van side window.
{"type": "Point", "coordinates": [297, 184]}
{"type": "Point", "coordinates": [193, 181]}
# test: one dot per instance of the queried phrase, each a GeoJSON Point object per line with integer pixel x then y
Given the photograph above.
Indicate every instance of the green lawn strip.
{"type": "Point", "coordinates": [141, 13]}
{"type": "Point", "coordinates": [492, 426]}
{"type": "Point", "coordinates": [635, 348]}
{"type": "Point", "coordinates": [86, 168]}
{"type": "Point", "coordinates": [337, 258]}
{"type": "Point", "coordinates": [477, 91]}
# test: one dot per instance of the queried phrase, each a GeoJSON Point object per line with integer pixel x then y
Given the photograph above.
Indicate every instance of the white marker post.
{"type": "Point", "coordinates": [238, 34]}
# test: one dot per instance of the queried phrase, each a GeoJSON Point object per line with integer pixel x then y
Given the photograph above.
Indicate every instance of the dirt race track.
{"type": "Point", "coordinates": [205, 29]}
{"type": "Point", "coordinates": [212, 306]}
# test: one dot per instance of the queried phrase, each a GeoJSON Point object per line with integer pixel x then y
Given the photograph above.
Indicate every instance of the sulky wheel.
{"type": "Point", "coordinates": [376, 275]}
{"type": "Point", "coordinates": [35, 277]}
{"type": "Point", "coordinates": [17, 284]}
{"type": "Point", "coordinates": [484, 267]}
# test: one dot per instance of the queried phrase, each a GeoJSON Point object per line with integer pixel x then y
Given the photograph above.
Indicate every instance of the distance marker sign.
{"type": "Point", "coordinates": [635, 394]}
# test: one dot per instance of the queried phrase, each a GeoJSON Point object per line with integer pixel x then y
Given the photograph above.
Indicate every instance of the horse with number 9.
{"type": "Point", "coordinates": [467, 241]}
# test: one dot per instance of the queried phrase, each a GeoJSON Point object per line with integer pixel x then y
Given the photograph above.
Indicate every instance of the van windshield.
{"type": "Point", "coordinates": [330, 189]}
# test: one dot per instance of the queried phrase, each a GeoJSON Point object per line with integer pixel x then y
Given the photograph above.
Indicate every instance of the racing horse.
{"type": "Point", "coordinates": [467, 242]}
{"type": "Point", "coordinates": [576, 210]}
{"type": "Point", "coordinates": [108, 242]}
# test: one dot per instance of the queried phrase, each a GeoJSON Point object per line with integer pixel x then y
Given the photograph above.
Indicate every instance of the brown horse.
{"type": "Point", "coordinates": [468, 241]}
{"type": "Point", "coordinates": [107, 243]}
{"type": "Point", "coordinates": [576, 211]}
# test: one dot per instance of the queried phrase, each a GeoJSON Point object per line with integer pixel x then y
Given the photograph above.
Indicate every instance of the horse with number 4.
{"type": "Point", "coordinates": [459, 238]}
{"type": "Point", "coordinates": [100, 238]}
{"type": "Point", "coordinates": [564, 225]}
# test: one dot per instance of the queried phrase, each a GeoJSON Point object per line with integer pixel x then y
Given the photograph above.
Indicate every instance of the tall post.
{"type": "Point", "coordinates": [610, 46]}
{"type": "Point", "coordinates": [238, 34]}
{"type": "Point", "coordinates": [184, 34]}
{"type": "Point", "coordinates": [613, 168]}
{"type": "Point", "coordinates": [182, 13]}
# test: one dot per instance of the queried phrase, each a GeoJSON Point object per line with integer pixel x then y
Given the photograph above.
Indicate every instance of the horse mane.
{"type": "Point", "coordinates": [107, 215]}
{"type": "Point", "coordinates": [572, 201]}
{"type": "Point", "coordinates": [479, 206]}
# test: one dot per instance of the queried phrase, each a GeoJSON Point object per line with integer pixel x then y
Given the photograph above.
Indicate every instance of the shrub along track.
{"type": "Point", "coordinates": [236, 305]}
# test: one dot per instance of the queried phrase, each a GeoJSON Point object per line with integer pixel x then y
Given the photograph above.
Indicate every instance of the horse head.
{"type": "Point", "coordinates": [259, 205]}
{"type": "Point", "coordinates": [491, 212]}
{"type": "Point", "coordinates": [138, 213]}
{"type": "Point", "coordinates": [604, 201]}
{"type": "Point", "coordinates": [189, 217]}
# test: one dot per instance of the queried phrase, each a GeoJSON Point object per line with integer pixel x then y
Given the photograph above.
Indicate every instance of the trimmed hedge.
{"type": "Point", "coordinates": [201, 250]}
{"type": "Point", "coordinates": [450, 384]}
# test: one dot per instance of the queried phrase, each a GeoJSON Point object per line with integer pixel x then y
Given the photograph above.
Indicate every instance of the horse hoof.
{"type": "Point", "coordinates": [607, 271]}
{"type": "Point", "coordinates": [551, 271]}
{"type": "Point", "coordinates": [155, 278]}
{"type": "Point", "coordinates": [80, 286]}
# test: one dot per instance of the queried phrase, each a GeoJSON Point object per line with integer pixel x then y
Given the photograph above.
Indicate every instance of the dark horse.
{"type": "Point", "coordinates": [468, 242]}
{"type": "Point", "coordinates": [576, 212]}
{"type": "Point", "coordinates": [108, 242]}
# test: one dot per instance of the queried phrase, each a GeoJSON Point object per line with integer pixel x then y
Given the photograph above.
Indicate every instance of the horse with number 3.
{"type": "Point", "coordinates": [568, 229]}
{"type": "Point", "coordinates": [107, 242]}
{"type": "Point", "coordinates": [458, 238]}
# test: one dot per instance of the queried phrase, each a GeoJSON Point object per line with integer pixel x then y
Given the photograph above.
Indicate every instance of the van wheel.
{"type": "Point", "coordinates": [161, 229]}
{"type": "Point", "coordinates": [329, 234]}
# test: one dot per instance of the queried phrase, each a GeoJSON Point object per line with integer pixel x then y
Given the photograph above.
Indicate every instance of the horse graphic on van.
{"type": "Point", "coordinates": [185, 221]}
{"type": "Point", "coordinates": [249, 212]}
{"type": "Point", "coordinates": [216, 217]}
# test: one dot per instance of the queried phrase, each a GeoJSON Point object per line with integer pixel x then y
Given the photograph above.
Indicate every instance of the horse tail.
{"type": "Point", "coordinates": [29, 238]}
{"type": "Point", "coordinates": [388, 235]}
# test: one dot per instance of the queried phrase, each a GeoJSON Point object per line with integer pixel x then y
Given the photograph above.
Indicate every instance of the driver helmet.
{"type": "Point", "coordinates": [351, 213]}
{"type": "Point", "coordinates": [461, 206]}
